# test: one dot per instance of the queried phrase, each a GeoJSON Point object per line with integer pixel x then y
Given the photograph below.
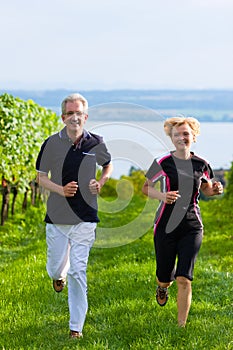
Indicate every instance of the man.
{"type": "Point", "coordinates": [66, 166]}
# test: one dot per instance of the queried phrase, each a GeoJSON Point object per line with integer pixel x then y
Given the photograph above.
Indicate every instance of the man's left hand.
{"type": "Point", "coordinates": [94, 186]}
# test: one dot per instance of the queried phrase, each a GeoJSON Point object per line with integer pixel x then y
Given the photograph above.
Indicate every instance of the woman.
{"type": "Point", "coordinates": [178, 228]}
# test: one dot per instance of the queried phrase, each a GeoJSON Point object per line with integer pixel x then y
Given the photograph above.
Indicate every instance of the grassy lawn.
{"type": "Point", "coordinates": [123, 313]}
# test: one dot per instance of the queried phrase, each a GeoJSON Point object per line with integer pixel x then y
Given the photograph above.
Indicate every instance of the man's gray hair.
{"type": "Point", "coordinates": [72, 98]}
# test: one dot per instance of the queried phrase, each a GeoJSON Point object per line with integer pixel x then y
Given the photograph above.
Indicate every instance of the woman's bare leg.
{"type": "Point", "coordinates": [184, 298]}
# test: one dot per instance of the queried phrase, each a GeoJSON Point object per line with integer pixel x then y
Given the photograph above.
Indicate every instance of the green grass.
{"type": "Point", "coordinates": [123, 313]}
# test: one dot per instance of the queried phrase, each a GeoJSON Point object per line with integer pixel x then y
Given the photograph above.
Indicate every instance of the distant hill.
{"type": "Point", "coordinates": [207, 105]}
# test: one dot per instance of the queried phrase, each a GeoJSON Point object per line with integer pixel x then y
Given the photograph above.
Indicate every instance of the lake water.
{"type": "Point", "coordinates": [138, 143]}
{"type": "Point", "coordinates": [135, 136]}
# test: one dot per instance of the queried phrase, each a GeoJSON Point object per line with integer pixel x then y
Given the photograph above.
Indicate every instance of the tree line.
{"type": "Point", "coordinates": [24, 126]}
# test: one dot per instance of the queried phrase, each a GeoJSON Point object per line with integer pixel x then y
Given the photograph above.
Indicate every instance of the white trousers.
{"type": "Point", "coordinates": [68, 248]}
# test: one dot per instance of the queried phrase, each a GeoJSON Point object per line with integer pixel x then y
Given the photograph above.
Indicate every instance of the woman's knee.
{"type": "Point", "coordinates": [183, 282]}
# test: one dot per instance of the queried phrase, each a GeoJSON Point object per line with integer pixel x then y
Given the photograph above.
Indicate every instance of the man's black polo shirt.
{"type": "Point", "coordinates": [67, 162]}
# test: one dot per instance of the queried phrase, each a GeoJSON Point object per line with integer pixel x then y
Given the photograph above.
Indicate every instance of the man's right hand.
{"type": "Point", "coordinates": [70, 189]}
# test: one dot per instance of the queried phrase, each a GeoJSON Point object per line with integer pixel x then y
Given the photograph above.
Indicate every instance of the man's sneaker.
{"type": "Point", "coordinates": [59, 285]}
{"type": "Point", "coordinates": [75, 334]}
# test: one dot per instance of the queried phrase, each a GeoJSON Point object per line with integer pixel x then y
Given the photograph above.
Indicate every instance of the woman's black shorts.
{"type": "Point", "coordinates": [176, 251]}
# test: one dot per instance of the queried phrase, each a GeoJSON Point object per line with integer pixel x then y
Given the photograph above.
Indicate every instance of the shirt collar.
{"type": "Point", "coordinates": [85, 136]}
{"type": "Point", "coordinates": [63, 134]}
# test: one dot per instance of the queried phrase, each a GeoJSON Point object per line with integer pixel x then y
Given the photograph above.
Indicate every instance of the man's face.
{"type": "Point", "coordinates": [75, 117]}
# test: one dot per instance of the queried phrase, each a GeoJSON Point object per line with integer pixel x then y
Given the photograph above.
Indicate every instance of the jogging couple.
{"type": "Point", "coordinates": [66, 166]}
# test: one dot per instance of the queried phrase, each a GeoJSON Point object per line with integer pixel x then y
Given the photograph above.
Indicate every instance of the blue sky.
{"type": "Point", "coordinates": [109, 44]}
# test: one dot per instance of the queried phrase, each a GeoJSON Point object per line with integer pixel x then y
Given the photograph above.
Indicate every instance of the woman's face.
{"type": "Point", "coordinates": [182, 137]}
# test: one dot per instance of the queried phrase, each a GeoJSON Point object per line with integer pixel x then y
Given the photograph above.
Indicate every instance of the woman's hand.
{"type": "Point", "coordinates": [212, 189]}
{"type": "Point", "coordinates": [217, 188]}
{"type": "Point", "coordinates": [167, 197]}
{"type": "Point", "coordinates": [171, 197]}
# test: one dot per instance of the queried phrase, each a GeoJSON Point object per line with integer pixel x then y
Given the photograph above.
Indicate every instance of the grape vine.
{"type": "Point", "coordinates": [23, 127]}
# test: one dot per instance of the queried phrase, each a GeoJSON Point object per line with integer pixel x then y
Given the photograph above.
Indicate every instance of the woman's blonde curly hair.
{"type": "Point", "coordinates": [180, 120]}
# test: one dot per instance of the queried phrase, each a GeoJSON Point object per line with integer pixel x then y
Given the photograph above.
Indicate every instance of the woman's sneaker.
{"type": "Point", "coordinates": [161, 295]}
